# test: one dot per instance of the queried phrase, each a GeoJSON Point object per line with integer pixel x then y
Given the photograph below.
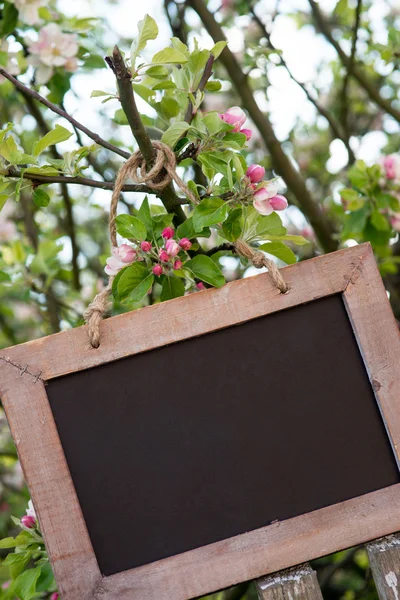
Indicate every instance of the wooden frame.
{"type": "Point", "coordinates": [25, 369]}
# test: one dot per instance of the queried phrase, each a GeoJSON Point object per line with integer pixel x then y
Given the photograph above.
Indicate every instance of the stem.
{"type": "Point", "coordinates": [201, 87]}
{"type": "Point", "coordinates": [62, 113]}
{"type": "Point", "coordinates": [323, 227]}
{"type": "Point", "coordinates": [370, 87]}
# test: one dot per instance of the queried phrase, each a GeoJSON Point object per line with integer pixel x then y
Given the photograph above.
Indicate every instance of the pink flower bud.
{"type": "Point", "coordinates": [172, 247]}
{"type": "Point", "coordinates": [255, 173]}
{"type": "Point", "coordinates": [157, 270]}
{"type": "Point", "coordinates": [248, 133]}
{"type": "Point", "coordinates": [28, 522]}
{"type": "Point", "coordinates": [5, 585]}
{"type": "Point", "coordinates": [177, 264]}
{"type": "Point", "coordinates": [278, 202]}
{"type": "Point", "coordinates": [145, 246]}
{"type": "Point", "coordinates": [163, 256]}
{"type": "Point", "coordinates": [185, 244]}
{"type": "Point", "coordinates": [234, 116]}
{"type": "Point", "coordinates": [55, 596]}
{"type": "Point", "coordinates": [168, 233]}
{"type": "Point", "coordinates": [125, 253]}
{"type": "Point", "coordinates": [200, 285]}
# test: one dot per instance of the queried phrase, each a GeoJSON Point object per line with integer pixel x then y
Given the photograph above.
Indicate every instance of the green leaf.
{"type": "Point", "coordinates": [7, 542]}
{"type": "Point", "coordinates": [172, 287]}
{"type": "Point", "coordinates": [135, 282]}
{"type": "Point", "coordinates": [17, 562]}
{"type": "Point", "coordinates": [170, 56]}
{"type": "Point", "coordinates": [164, 85]}
{"type": "Point", "coordinates": [9, 18]}
{"type": "Point", "coordinates": [215, 124]}
{"type": "Point", "coordinates": [130, 227]}
{"type": "Point", "coordinates": [204, 268]}
{"type": "Point", "coordinates": [279, 250]}
{"type": "Point", "coordinates": [355, 222]}
{"type": "Point", "coordinates": [187, 230]}
{"type": "Point", "coordinates": [233, 226]}
{"type": "Point", "coordinates": [379, 221]}
{"type": "Point", "coordinates": [55, 136]}
{"type": "Point", "coordinates": [4, 277]}
{"type": "Point", "coordinates": [40, 197]}
{"type": "Point", "coordinates": [298, 240]}
{"type": "Point", "coordinates": [144, 214]}
{"type": "Point", "coordinates": [148, 30]}
{"type": "Point", "coordinates": [160, 222]}
{"type": "Point", "coordinates": [3, 200]}
{"type": "Point", "coordinates": [213, 86]}
{"type": "Point", "coordinates": [209, 212]}
{"type": "Point", "coordinates": [25, 585]}
{"type": "Point", "coordinates": [353, 199]}
{"type": "Point", "coordinates": [174, 133]}
{"type": "Point", "coordinates": [218, 48]}
{"type": "Point", "coordinates": [99, 93]}
{"type": "Point", "coordinates": [120, 117]}
{"type": "Point", "coordinates": [270, 225]}
{"type": "Point", "coordinates": [235, 140]}
{"type": "Point", "coordinates": [158, 72]}
{"type": "Point", "coordinates": [176, 42]}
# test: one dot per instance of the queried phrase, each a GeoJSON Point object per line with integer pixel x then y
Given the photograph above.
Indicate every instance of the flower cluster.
{"type": "Point", "coordinates": [53, 49]}
{"type": "Point", "coordinates": [266, 197]}
{"type": "Point", "coordinates": [28, 10]}
{"type": "Point", "coordinates": [236, 117]}
{"type": "Point", "coordinates": [162, 259]}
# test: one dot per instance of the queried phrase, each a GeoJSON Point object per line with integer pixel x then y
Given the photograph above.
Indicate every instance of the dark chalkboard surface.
{"type": "Point", "coordinates": [214, 436]}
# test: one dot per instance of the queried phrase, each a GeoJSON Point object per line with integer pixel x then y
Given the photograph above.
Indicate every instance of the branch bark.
{"type": "Point", "coordinates": [323, 227]}
{"type": "Point", "coordinates": [128, 103]}
{"type": "Point", "coordinates": [62, 113]}
{"type": "Point", "coordinates": [370, 87]}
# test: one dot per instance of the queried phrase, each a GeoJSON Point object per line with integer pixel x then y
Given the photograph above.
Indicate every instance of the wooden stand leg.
{"type": "Point", "coordinates": [299, 583]}
{"type": "Point", "coordinates": [384, 559]}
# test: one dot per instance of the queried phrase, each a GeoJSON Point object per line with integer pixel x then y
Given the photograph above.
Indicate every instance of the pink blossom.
{"type": "Point", "coordinates": [53, 49]}
{"type": "Point", "coordinates": [172, 247]}
{"type": "Point", "coordinates": [391, 166]}
{"type": "Point", "coordinates": [168, 233]}
{"type": "Point", "coordinates": [145, 246]}
{"type": "Point", "coordinates": [28, 521]}
{"type": "Point", "coordinates": [395, 221]}
{"type": "Point", "coordinates": [247, 132]}
{"type": "Point", "coordinates": [278, 202]}
{"type": "Point", "coordinates": [177, 264]}
{"type": "Point", "coordinates": [157, 270]}
{"type": "Point", "coordinates": [122, 256]}
{"type": "Point", "coordinates": [200, 285]}
{"type": "Point", "coordinates": [163, 256]}
{"type": "Point", "coordinates": [55, 596]}
{"type": "Point", "coordinates": [255, 173]}
{"type": "Point", "coordinates": [266, 199]}
{"type": "Point", "coordinates": [30, 511]}
{"type": "Point", "coordinates": [234, 116]}
{"type": "Point", "coordinates": [185, 244]}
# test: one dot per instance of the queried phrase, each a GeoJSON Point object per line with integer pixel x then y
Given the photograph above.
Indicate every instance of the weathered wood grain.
{"type": "Point", "coordinates": [188, 316]}
{"type": "Point", "coordinates": [299, 583]}
{"type": "Point", "coordinates": [47, 475]}
{"type": "Point", "coordinates": [384, 560]}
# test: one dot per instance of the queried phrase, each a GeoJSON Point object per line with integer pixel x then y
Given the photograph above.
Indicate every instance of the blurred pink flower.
{"type": "Point", "coordinates": [255, 173]}
{"type": "Point", "coordinates": [8, 231]}
{"type": "Point", "coordinates": [266, 199]}
{"type": "Point", "coordinates": [172, 247]}
{"type": "Point", "coordinates": [157, 270]}
{"type": "Point", "coordinates": [391, 166]}
{"type": "Point", "coordinates": [53, 49]}
{"type": "Point", "coordinates": [247, 132]}
{"type": "Point", "coordinates": [177, 264]}
{"type": "Point", "coordinates": [185, 244]}
{"type": "Point", "coordinates": [122, 256]}
{"type": "Point", "coordinates": [167, 233]}
{"type": "Point", "coordinates": [28, 522]}
{"type": "Point", "coordinates": [29, 10]}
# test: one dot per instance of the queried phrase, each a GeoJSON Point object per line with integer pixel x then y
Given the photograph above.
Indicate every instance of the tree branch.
{"type": "Point", "coordinates": [62, 113]}
{"type": "Point", "coordinates": [371, 88]}
{"type": "Point", "coordinates": [335, 128]}
{"type": "Point", "coordinates": [128, 103]}
{"type": "Point", "coordinates": [102, 185]}
{"type": "Point", "coordinates": [344, 94]}
{"type": "Point", "coordinates": [323, 227]}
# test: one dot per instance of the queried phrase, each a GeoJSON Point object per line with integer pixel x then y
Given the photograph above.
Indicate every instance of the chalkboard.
{"type": "Point", "coordinates": [214, 436]}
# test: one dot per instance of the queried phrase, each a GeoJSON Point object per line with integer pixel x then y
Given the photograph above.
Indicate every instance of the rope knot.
{"type": "Point", "coordinates": [259, 261]}
{"type": "Point", "coordinates": [161, 173]}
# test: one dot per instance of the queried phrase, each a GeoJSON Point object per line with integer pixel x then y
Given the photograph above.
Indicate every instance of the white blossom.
{"type": "Point", "coordinates": [53, 49]}
{"type": "Point", "coordinates": [29, 10]}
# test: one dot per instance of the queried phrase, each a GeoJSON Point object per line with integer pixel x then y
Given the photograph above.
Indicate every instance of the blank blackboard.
{"type": "Point", "coordinates": [213, 436]}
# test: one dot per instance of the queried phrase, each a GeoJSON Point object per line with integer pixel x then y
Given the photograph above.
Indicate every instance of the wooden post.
{"type": "Point", "coordinates": [384, 559]}
{"type": "Point", "coordinates": [299, 583]}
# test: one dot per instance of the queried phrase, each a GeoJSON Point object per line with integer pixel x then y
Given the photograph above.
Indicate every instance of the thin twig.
{"type": "Point", "coordinates": [62, 113]}
{"type": "Point", "coordinates": [371, 88]}
{"type": "Point", "coordinates": [321, 109]}
{"type": "Point", "coordinates": [201, 87]}
{"type": "Point", "coordinates": [344, 94]}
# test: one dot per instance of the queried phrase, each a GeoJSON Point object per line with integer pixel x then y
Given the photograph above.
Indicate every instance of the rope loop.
{"type": "Point", "coordinates": [259, 260]}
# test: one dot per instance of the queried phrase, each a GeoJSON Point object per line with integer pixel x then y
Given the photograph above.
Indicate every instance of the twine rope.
{"type": "Point", "coordinates": [161, 174]}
